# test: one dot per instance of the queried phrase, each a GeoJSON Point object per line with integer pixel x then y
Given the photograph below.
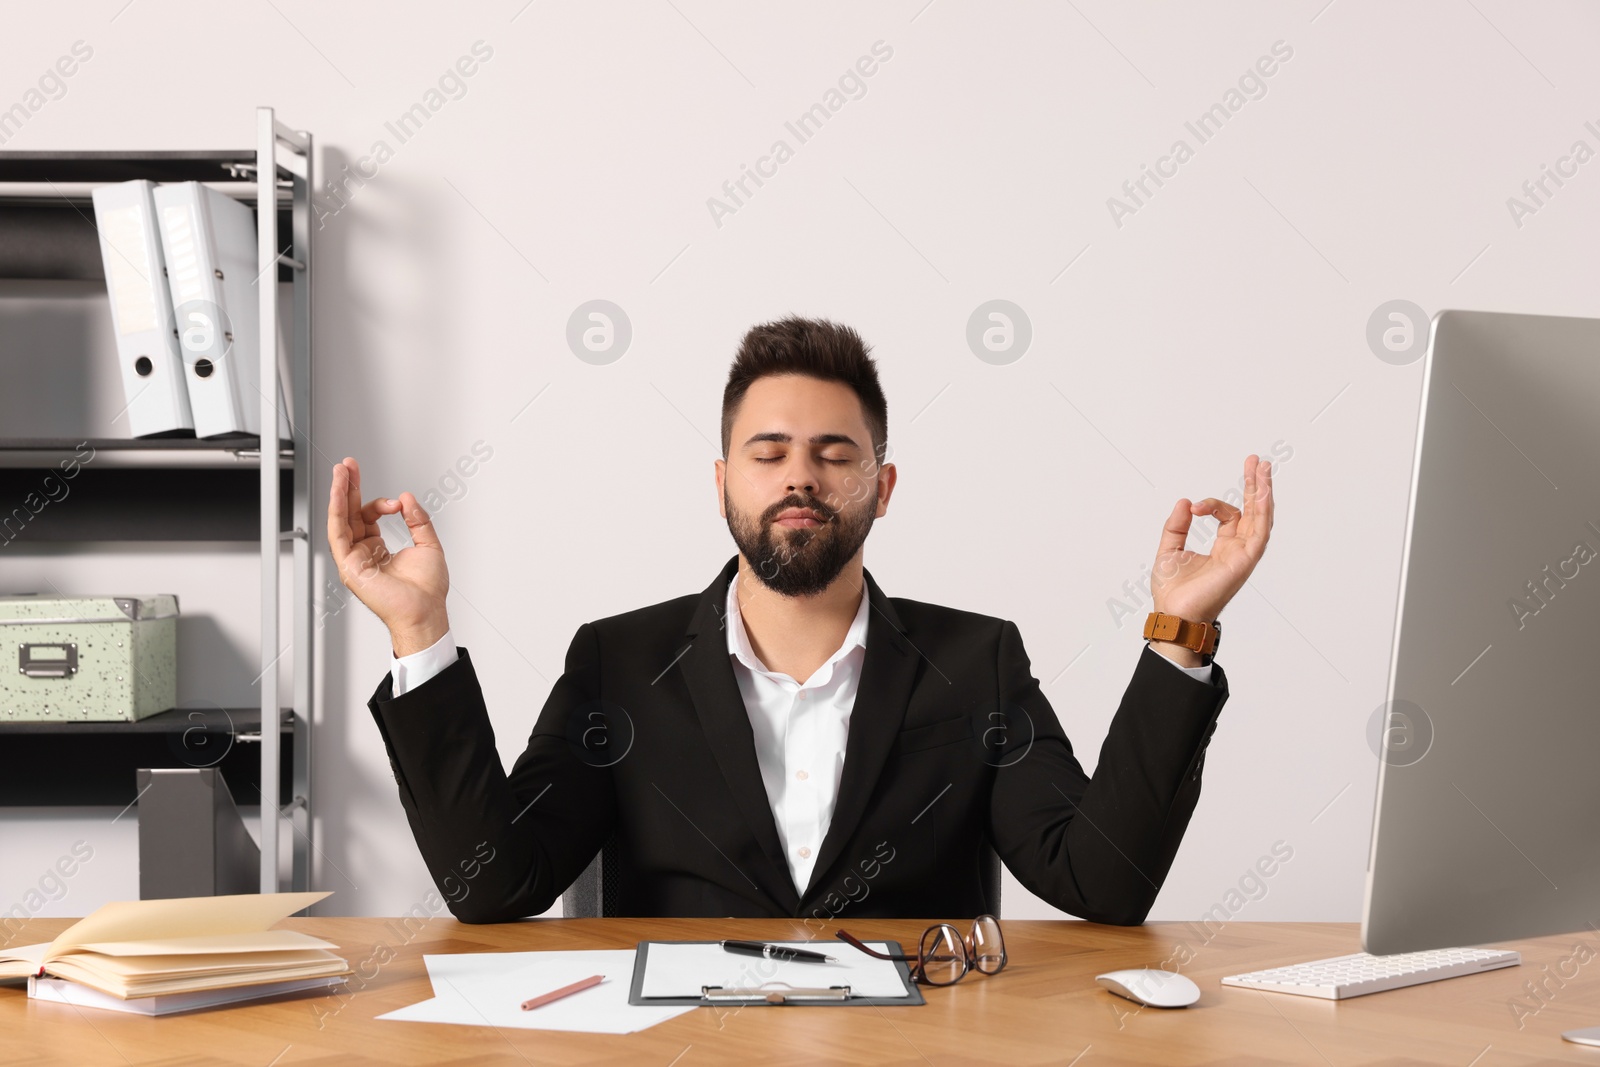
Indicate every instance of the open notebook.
{"type": "Point", "coordinates": [144, 948]}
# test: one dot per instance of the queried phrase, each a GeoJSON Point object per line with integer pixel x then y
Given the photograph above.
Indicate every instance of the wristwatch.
{"type": "Point", "coordinates": [1201, 637]}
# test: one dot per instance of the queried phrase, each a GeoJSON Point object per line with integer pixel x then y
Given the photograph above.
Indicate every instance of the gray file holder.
{"type": "Point", "coordinates": [192, 842]}
{"type": "Point", "coordinates": [837, 996]}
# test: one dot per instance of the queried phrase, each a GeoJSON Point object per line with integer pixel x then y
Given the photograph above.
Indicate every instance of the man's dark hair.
{"type": "Point", "coordinates": [816, 348]}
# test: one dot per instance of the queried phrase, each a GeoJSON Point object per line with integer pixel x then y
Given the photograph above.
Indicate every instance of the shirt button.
{"type": "Point", "coordinates": [802, 775]}
{"type": "Point", "coordinates": [805, 851]}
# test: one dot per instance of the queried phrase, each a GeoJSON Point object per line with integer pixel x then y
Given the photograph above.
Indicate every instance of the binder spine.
{"type": "Point", "coordinates": [149, 363]}
{"type": "Point", "coordinates": [199, 309]}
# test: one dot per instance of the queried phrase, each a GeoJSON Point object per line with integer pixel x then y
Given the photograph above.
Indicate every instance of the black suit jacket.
{"type": "Point", "coordinates": [952, 747]}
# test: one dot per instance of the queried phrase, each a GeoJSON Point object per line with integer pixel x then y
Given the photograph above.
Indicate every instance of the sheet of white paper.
{"type": "Point", "coordinates": [460, 964]}
{"type": "Point", "coordinates": [676, 969]}
{"type": "Point", "coordinates": [488, 988]}
{"type": "Point", "coordinates": [457, 1011]}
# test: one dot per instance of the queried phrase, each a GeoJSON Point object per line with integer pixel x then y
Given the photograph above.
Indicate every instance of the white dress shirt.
{"type": "Point", "coordinates": [800, 732]}
{"type": "Point", "coordinates": [800, 728]}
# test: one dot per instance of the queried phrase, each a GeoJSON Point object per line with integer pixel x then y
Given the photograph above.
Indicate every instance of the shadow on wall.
{"type": "Point", "coordinates": [51, 333]}
{"type": "Point", "coordinates": [207, 655]}
{"type": "Point", "coordinates": [375, 402]}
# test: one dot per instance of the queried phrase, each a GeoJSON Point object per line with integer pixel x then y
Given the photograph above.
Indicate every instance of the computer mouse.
{"type": "Point", "coordinates": [1151, 986]}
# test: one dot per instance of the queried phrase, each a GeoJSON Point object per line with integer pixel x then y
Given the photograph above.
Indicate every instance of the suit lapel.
{"type": "Point", "coordinates": [887, 674]}
{"type": "Point", "coordinates": [708, 671]}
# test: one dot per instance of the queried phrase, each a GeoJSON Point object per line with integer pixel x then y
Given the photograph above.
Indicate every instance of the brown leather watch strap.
{"type": "Point", "coordinates": [1200, 637]}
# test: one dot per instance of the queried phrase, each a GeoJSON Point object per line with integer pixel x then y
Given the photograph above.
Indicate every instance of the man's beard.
{"type": "Point", "coordinates": [800, 560]}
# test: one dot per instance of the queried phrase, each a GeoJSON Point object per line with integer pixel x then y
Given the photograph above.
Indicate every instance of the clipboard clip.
{"type": "Point", "coordinates": [716, 994]}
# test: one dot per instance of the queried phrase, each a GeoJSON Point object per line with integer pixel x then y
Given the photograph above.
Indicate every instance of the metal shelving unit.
{"type": "Point", "coordinates": [176, 489]}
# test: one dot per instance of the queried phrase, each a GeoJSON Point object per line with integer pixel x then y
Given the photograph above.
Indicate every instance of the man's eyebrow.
{"type": "Point", "coordinates": [816, 439]}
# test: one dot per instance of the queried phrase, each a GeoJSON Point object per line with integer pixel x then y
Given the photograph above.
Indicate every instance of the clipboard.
{"type": "Point", "coordinates": [772, 993]}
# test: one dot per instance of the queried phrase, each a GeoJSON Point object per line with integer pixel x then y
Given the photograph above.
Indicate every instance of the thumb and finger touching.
{"type": "Point", "coordinates": [1176, 531]}
{"type": "Point", "coordinates": [418, 522]}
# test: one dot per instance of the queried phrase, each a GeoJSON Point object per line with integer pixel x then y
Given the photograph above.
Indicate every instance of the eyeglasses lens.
{"type": "Point", "coordinates": [944, 957]}
{"type": "Point", "coordinates": [988, 946]}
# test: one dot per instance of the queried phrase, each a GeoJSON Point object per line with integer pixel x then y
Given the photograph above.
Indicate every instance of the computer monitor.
{"type": "Point", "coordinates": [1488, 807]}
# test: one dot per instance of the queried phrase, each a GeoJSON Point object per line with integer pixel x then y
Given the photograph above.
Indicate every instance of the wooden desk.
{"type": "Point", "coordinates": [1044, 1008]}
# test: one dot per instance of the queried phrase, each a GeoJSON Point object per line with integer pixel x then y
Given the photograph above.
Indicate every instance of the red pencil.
{"type": "Point", "coordinates": [566, 990]}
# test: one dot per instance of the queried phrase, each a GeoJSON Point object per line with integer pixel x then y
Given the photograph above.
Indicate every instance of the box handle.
{"type": "Point", "coordinates": [47, 660]}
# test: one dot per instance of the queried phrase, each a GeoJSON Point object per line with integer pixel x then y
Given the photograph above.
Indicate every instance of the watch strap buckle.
{"type": "Point", "coordinates": [1199, 637]}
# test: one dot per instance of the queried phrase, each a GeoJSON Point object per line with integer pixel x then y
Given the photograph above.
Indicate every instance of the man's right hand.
{"type": "Point", "coordinates": [407, 590]}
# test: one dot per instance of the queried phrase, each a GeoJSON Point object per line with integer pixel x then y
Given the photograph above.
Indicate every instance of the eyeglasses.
{"type": "Point", "coordinates": [944, 956]}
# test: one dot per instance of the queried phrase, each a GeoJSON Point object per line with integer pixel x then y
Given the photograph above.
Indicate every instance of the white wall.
{"type": "Point", "coordinates": [1227, 315]}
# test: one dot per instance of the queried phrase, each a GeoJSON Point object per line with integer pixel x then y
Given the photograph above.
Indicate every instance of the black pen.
{"type": "Point", "coordinates": [776, 952]}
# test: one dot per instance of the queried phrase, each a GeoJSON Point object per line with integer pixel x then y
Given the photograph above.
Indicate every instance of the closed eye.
{"type": "Point", "coordinates": [774, 459]}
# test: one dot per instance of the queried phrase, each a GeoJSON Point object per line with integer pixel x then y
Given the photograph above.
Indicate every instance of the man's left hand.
{"type": "Point", "coordinates": [1193, 585]}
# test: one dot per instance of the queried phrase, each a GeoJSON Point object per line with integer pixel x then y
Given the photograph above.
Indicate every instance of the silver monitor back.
{"type": "Point", "coordinates": [1488, 812]}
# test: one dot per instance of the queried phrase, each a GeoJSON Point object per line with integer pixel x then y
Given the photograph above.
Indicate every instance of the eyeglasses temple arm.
{"type": "Point", "coordinates": [842, 936]}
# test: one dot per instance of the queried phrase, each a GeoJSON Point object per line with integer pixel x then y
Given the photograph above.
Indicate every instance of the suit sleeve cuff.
{"type": "Point", "coordinates": [1206, 672]}
{"type": "Point", "coordinates": [412, 670]}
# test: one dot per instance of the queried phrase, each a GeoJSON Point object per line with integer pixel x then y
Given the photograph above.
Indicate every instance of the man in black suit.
{"type": "Point", "coordinates": [791, 741]}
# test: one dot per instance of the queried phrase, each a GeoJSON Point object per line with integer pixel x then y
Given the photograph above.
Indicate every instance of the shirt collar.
{"type": "Point", "coordinates": [739, 640]}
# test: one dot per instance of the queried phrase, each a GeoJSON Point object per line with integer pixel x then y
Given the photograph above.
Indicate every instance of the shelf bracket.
{"type": "Point", "coordinates": [255, 453]}
{"type": "Point", "coordinates": [246, 172]}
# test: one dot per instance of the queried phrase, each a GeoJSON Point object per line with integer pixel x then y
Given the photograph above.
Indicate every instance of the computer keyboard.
{"type": "Point", "coordinates": [1359, 973]}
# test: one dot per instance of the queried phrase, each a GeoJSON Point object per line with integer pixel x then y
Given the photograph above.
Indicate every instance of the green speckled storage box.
{"type": "Point", "coordinates": [87, 658]}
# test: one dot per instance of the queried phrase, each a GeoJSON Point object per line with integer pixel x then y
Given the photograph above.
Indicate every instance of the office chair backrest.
{"type": "Point", "coordinates": [989, 868]}
{"type": "Point", "coordinates": [594, 892]}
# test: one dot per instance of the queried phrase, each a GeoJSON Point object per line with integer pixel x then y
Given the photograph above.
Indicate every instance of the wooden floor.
{"type": "Point", "coordinates": [1045, 1008]}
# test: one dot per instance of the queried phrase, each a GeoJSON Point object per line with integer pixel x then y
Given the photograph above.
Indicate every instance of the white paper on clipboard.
{"type": "Point", "coordinates": [679, 969]}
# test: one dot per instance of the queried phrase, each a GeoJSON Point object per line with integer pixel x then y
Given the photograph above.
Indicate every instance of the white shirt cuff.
{"type": "Point", "coordinates": [1201, 673]}
{"type": "Point", "coordinates": [412, 670]}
